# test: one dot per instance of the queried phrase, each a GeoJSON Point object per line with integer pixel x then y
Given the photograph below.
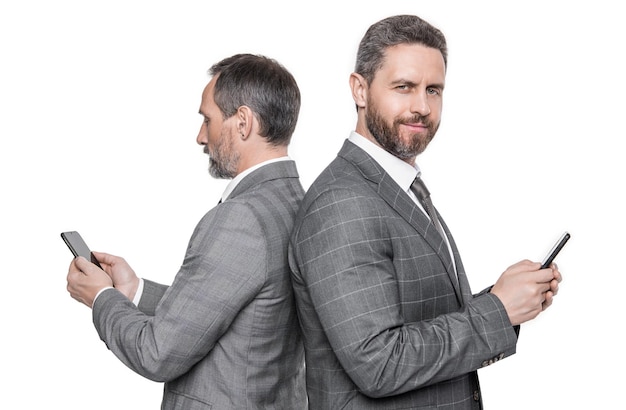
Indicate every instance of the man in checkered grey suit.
{"type": "Point", "coordinates": [385, 305]}
{"type": "Point", "coordinates": [225, 334]}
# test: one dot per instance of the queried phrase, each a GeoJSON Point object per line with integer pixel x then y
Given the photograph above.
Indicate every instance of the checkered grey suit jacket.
{"type": "Point", "coordinates": [384, 325]}
{"type": "Point", "coordinates": [225, 334]}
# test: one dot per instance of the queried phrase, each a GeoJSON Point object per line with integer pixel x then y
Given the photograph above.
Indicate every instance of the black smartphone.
{"type": "Point", "coordinates": [78, 246]}
{"type": "Point", "coordinates": [555, 250]}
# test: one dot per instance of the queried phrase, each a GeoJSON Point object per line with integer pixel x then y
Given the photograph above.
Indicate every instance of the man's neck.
{"type": "Point", "coordinates": [260, 156]}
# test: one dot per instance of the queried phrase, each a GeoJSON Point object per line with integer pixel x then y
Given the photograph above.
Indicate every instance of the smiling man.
{"type": "Point", "coordinates": [388, 317]}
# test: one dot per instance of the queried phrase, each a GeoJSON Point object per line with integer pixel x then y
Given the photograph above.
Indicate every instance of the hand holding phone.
{"type": "Point", "coordinates": [78, 246]}
{"type": "Point", "coordinates": [555, 250]}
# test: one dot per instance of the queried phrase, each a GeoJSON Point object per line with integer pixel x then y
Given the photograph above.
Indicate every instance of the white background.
{"type": "Point", "coordinates": [98, 119]}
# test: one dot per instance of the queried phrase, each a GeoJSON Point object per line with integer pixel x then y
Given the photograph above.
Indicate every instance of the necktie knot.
{"type": "Point", "coordinates": [419, 189]}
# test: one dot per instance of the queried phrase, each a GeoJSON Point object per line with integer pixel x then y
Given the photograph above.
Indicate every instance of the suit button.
{"type": "Point", "coordinates": [476, 395]}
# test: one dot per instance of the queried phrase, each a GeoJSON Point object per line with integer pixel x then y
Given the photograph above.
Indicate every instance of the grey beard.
{"type": "Point", "coordinates": [220, 170]}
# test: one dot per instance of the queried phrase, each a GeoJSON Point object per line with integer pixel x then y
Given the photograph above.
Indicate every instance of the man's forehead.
{"type": "Point", "coordinates": [408, 60]}
{"type": "Point", "coordinates": [207, 93]}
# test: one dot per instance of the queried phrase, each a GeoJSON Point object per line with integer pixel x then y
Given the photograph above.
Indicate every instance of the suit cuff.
{"type": "Point", "coordinates": [99, 293]}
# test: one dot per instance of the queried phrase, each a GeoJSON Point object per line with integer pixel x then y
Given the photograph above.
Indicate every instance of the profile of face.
{"type": "Point", "coordinates": [217, 135]}
{"type": "Point", "coordinates": [404, 100]}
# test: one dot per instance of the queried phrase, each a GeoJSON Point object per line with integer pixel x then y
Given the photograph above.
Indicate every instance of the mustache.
{"type": "Point", "coordinates": [414, 120]}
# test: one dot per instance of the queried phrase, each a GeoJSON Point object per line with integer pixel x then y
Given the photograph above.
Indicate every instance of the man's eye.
{"type": "Point", "coordinates": [433, 91]}
{"type": "Point", "coordinates": [206, 120]}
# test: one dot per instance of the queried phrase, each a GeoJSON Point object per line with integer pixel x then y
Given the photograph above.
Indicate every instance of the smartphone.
{"type": "Point", "coordinates": [555, 250]}
{"type": "Point", "coordinates": [78, 246]}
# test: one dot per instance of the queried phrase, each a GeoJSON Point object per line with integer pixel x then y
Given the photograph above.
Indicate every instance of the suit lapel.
{"type": "Point", "coordinates": [400, 201]}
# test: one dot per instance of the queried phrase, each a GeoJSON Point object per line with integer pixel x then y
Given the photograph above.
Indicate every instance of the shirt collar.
{"type": "Point", "coordinates": [401, 172]}
{"type": "Point", "coordinates": [235, 181]}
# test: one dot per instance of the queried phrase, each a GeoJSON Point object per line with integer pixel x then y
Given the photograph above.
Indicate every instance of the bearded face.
{"type": "Point", "coordinates": [402, 143]}
{"type": "Point", "coordinates": [223, 158]}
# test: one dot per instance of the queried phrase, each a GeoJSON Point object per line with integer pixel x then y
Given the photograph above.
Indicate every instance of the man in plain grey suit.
{"type": "Point", "coordinates": [225, 334]}
{"type": "Point", "coordinates": [388, 318]}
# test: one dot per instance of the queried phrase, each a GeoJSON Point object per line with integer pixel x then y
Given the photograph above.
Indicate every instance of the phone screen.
{"type": "Point", "coordinates": [78, 246]}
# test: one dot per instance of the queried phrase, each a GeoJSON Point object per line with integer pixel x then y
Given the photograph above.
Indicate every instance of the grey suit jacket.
{"type": "Point", "coordinates": [385, 326]}
{"type": "Point", "coordinates": [225, 334]}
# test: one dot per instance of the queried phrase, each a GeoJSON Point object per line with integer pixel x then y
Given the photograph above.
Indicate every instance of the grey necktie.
{"type": "Point", "coordinates": [419, 189]}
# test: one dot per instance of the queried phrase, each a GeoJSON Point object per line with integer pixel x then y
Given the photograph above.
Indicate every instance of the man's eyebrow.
{"type": "Point", "coordinates": [402, 81]}
{"type": "Point", "coordinates": [413, 84]}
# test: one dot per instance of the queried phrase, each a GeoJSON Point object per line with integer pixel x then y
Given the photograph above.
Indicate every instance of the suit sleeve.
{"type": "Point", "coordinates": [223, 269]}
{"type": "Point", "coordinates": [151, 296]}
{"type": "Point", "coordinates": [345, 258]}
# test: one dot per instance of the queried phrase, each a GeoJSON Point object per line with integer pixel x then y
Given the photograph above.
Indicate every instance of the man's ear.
{"type": "Point", "coordinates": [359, 88]}
{"type": "Point", "coordinates": [245, 119]}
